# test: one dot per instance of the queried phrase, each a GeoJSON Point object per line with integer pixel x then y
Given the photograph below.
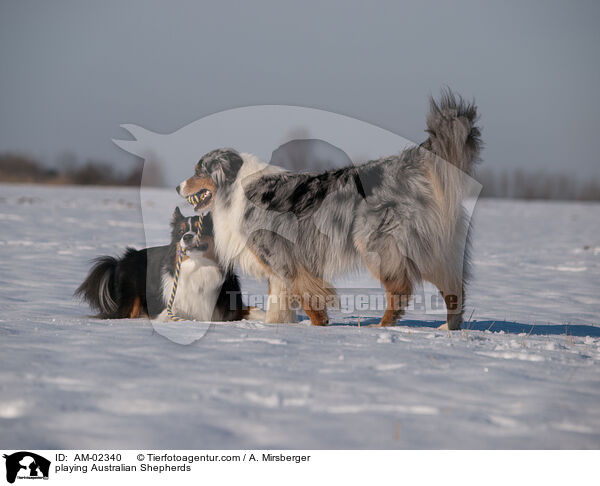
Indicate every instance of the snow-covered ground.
{"type": "Point", "coordinates": [525, 374]}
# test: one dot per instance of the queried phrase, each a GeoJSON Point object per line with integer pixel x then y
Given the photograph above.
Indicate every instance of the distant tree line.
{"type": "Point", "coordinates": [16, 167]}
{"type": "Point", "coordinates": [522, 184]}
{"type": "Point", "coordinates": [515, 184]}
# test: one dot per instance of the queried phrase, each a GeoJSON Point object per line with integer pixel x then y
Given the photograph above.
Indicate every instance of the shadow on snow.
{"type": "Point", "coordinates": [493, 326]}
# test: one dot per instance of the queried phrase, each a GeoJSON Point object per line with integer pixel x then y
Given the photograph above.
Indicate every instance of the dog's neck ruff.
{"type": "Point", "coordinates": [228, 213]}
{"type": "Point", "coordinates": [180, 254]}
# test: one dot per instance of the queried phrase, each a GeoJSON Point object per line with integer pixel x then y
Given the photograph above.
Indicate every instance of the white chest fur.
{"type": "Point", "coordinates": [200, 282]}
{"type": "Point", "coordinates": [229, 239]}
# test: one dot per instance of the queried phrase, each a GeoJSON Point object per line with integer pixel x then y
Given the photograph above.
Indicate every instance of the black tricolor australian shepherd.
{"type": "Point", "coordinates": [400, 216]}
{"type": "Point", "coordinates": [139, 283]}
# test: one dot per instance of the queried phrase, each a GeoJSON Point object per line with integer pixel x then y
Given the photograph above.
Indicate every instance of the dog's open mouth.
{"type": "Point", "coordinates": [200, 199]}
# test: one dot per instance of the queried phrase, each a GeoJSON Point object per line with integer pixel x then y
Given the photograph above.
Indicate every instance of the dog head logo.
{"type": "Point", "coordinates": [25, 464]}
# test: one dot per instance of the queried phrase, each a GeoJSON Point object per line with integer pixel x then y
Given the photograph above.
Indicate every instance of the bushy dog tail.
{"type": "Point", "coordinates": [99, 288]}
{"type": "Point", "coordinates": [453, 132]}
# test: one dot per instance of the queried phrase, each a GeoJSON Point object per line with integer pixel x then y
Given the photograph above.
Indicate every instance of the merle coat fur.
{"type": "Point", "coordinates": [400, 216]}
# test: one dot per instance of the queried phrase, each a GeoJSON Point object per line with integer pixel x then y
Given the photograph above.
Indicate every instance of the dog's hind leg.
{"type": "Point", "coordinates": [453, 293]}
{"type": "Point", "coordinates": [397, 295]}
{"type": "Point", "coordinates": [455, 307]}
{"type": "Point", "coordinates": [394, 276]}
{"type": "Point", "coordinates": [450, 274]}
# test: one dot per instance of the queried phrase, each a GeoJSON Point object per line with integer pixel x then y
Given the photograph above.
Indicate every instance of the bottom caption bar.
{"type": "Point", "coordinates": [148, 467]}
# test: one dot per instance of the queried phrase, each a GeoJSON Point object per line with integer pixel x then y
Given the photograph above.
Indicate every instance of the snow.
{"type": "Point", "coordinates": [524, 373]}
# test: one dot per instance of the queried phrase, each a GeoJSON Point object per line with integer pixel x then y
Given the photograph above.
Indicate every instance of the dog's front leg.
{"type": "Point", "coordinates": [278, 304]}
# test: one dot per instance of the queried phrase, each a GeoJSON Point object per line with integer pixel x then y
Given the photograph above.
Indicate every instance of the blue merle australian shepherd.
{"type": "Point", "coordinates": [400, 216]}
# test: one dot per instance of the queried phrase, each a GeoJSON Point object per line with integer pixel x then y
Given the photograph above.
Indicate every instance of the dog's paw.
{"type": "Point", "coordinates": [256, 314]}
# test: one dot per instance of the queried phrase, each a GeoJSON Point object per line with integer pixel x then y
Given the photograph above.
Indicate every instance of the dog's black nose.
{"type": "Point", "coordinates": [177, 189]}
{"type": "Point", "coordinates": [188, 237]}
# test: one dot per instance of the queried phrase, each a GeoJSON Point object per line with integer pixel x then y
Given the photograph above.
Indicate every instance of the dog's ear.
{"type": "Point", "coordinates": [177, 216]}
{"type": "Point", "coordinates": [217, 174]}
{"type": "Point", "coordinates": [225, 166]}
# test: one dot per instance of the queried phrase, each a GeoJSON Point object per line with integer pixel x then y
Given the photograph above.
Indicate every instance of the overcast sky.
{"type": "Point", "coordinates": [71, 72]}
